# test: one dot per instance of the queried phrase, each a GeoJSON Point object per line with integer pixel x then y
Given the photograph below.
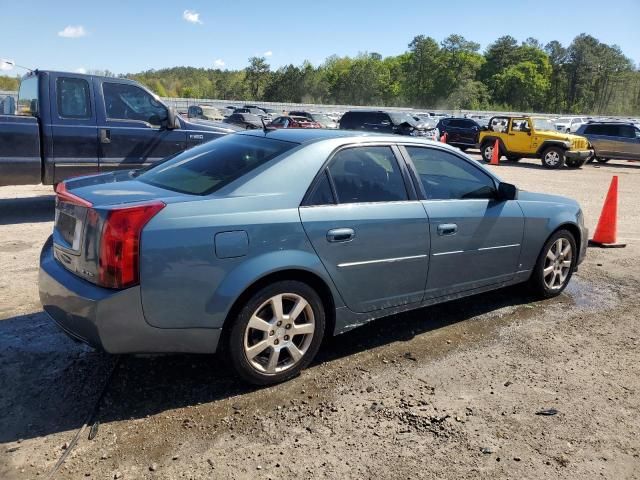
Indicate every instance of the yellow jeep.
{"type": "Point", "coordinates": [532, 137]}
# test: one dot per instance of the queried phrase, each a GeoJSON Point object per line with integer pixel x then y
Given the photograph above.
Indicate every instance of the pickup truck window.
{"type": "Point", "coordinates": [73, 97]}
{"type": "Point", "coordinates": [28, 96]}
{"type": "Point", "coordinates": [128, 102]}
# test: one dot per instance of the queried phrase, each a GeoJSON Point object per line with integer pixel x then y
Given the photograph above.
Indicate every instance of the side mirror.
{"type": "Point", "coordinates": [173, 122]}
{"type": "Point", "coordinates": [507, 191]}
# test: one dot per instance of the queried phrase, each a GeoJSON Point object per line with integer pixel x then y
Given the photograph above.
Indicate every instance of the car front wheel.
{"type": "Point", "coordinates": [277, 333]}
{"type": "Point", "coordinates": [553, 158]}
{"type": "Point", "coordinates": [555, 265]}
{"type": "Point", "coordinates": [487, 151]}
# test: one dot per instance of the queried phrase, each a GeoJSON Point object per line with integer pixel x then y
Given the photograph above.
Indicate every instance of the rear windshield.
{"type": "Point", "coordinates": [206, 168]}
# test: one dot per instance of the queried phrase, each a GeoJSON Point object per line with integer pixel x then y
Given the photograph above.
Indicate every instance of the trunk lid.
{"type": "Point", "coordinates": [82, 205]}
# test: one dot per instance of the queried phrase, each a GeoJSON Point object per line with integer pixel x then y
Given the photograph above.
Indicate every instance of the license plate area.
{"type": "Point", "coordinates": [68, 226]}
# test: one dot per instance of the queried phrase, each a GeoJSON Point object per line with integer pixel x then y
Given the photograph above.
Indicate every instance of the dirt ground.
{"type": "Point", "coordinates": [447, 392]}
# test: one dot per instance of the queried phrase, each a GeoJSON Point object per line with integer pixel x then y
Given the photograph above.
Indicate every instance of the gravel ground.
{"type": "Point", "coordinates": [447, 392]}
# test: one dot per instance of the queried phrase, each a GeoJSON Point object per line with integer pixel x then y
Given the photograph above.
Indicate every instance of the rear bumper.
{"type": "Point", "coordinates": [578, 154]}
{"type": "Point", "coordinates": [110, 320]}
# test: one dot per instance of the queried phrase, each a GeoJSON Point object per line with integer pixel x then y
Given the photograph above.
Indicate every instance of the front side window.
{"type": "Point", "coordinates": [208, 167]}
{"type": "Point", "coordinates": [445, 176]}
{"type": "Point", "coordinates": [367, 174]}
{"type": "Point", "coordinates": [73, 98]}
{"type": "Point", "coordinates": [128, 102]}
{"type": "Point", "coordinates": [627, 131]}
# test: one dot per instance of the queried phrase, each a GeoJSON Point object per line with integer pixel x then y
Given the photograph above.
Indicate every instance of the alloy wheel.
{"type": "Point", "coordinates": [279, 333]}
{"type": "Point", "coordinates": [552, 158]}
{"type": "Point", "coordinates": [557, 265]}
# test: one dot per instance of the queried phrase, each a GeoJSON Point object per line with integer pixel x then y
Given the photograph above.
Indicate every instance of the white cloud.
{"type": "Point", "coordinates": [268, 53]}
{"type": "Point", "coordinates": [6, 65]}
{"type": "Point", "coordinates": [81, 70]}
{"type": "Point", "coordinates": [191, 16]}
{"type": "Point", "coordinates": [71, 31]}
{"type": "Point", "coordinates": [219, 63]}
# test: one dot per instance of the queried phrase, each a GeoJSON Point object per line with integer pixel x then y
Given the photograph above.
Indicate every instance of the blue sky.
{"type": "Point", "coordinates": [130, 36]}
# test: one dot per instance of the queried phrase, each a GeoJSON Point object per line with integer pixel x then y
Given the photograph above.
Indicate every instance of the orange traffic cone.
{"type": "Point", "coordinates": [605, 234]}
{"type": "Point", "coordinates": [495, 155]}
{"type": "Point", "coordinates": [443, 138]}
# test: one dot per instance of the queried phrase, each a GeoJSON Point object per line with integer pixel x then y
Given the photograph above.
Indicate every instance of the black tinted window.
{"type": "Point", "coordinates": [73, 97]}
{"type": "Point", "coordinates": [367, 174]}
{"type": "Point", "coordinates": [208, 167]}
{"type": "Point", "coordinates": [627, 131]}
{"type": "Point", "coordinates": [457, 123]}
{"type": "Point", "coordinates": [321, 193]}
{"type": "Point", "coordinates": [446, 176]}
{"type": "Point", "coordinates": [128, 102]}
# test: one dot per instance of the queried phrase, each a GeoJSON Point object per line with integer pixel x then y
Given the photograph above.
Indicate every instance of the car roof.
{"type": "Point", "coordinates": [304, 136]}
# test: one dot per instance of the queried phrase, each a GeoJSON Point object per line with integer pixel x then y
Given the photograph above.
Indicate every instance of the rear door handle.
{"type": "Point", "coordinates": [447, 229]}
{"type": "Point", "coordinates": [340, 235]}
{"type": "Point", "coordinates": [105, 135]}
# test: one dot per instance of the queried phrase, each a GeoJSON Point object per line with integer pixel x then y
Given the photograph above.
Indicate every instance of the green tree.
{"type": "Point", "coordinates": [257, 76]}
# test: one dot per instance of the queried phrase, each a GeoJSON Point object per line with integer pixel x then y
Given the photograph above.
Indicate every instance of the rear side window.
{"type": "Point", "coordinates": [322, 194]}
{"type": "Point", "coordinates": [367, 174]}
{"type": "Point", "coordinates": [445, 176]}
{"type": "Point", "coordinates": [73, 98]}
{"type": "Point", "coordinates": [28, 96]}
{"type": "Point", "coordinates": [208, 167]}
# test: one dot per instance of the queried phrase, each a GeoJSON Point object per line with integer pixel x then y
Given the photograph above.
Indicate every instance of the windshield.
{"type": "Point", "coordinates": [208, 167]}
{"type": "Point", "coordinates": [399, 118]}
{"type": "Point", "coordinates": [543, 124]}
{"type": "Point", "coordinates": [564, 120]}
{"type": "Point", "coordinates": [322, 119]}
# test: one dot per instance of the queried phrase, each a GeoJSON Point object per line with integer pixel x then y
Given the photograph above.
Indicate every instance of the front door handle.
{"type": "Point", "coordinates": [447, 229]}
{"type": "Point", "coordinates": [105, 135]}
{"type": "Point", "coordinates": [340, 235]}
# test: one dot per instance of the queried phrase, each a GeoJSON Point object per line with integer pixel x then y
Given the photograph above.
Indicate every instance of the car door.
{"type": "Point", "coordinates": [519, 136]}
{"type": "Point", "coordinates": [629, 142]}
{"type": "Point", "coordinates": [132, 128]}
{"type": "Point", "coordinates": [475, 238]}
{"type": "Point", "coordinates": [368, 228]}
{"type": "Point", "coordinates": [73, 126]}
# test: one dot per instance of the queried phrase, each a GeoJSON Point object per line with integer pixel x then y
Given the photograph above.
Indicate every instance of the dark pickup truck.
{"type": "Point", "coordinates": [70, 124]}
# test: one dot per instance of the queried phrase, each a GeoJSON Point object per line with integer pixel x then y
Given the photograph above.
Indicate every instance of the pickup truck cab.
{"type": "Point", "coordinates": [70, 124]}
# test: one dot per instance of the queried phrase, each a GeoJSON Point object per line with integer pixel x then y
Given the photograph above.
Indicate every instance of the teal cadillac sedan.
{"type": "Point", "coordinates": [261, 243]}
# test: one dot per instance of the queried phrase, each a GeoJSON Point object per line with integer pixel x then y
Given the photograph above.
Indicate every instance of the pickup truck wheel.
{"type": "Point", "coordinates": [513, 158]}
{"type": "Point", "coordinates": [486, 150]}
{"type": "Point", "coordinates": [602, 160]}
{"type": "Point", "coordinates": [555, 265]}
{"type": "Point", "coordinates": [277, 333]}
{"type": "Point", "coordinates": [553, 157]}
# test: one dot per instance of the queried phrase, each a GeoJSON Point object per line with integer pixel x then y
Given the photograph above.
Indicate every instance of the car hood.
{"type": "Point", "coordinates": [526, 196]}
{"type": "Point", "coordinates": [565, 137]}
{"type": "Point", "coordinates": [209, 126]}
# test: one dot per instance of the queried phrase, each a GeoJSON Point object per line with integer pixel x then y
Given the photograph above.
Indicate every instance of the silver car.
{"type": "Point", "coordinates": [612, 140]}
{"type": "Point", "coordinates": [262, 243]}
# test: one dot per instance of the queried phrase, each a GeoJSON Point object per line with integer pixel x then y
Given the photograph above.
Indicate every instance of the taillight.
{"type": "Point", "coordinates": [63, 195]}
{"type": "Point", "coordinates": [119, 265]}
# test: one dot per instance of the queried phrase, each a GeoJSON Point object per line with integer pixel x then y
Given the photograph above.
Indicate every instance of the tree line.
{"type": "Point", "coordinates": [587, 76]}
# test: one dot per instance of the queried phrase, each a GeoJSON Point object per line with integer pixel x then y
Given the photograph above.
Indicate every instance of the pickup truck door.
{"type": "Point", "coordinates": [131, 127]}
{"type": "Point", "coordinates": [73, 126]}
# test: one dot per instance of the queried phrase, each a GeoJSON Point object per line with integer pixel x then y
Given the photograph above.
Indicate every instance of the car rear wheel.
{"type": "Point", "coordinates": [553, 158]}
{"type": "Point", "coordinates": [555, 265]}
{"type": "Point", "coordinates": [277, 333]}
{"type": "Point", "coordinates": [487, 151]}
{"type": "Point", "coordinates": [602, 160]}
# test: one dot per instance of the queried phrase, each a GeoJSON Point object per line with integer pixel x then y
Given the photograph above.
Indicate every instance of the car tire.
{"type": "Point", "coordinates": [259, 345]}
{"type": "Point", "coordinates": [553, 158]}
{"type": "Point", "coordinates": [602, 160]}
{"type": "Point", "coordinates": [513, 158]}
{"type": "Point", "coordinates": [551, 273]}
{"type": "Point", "coordinates": [463, 149]}
{"type": "Point", "coordinates": [486, 150]}
{"type": "Point", "coordinates": [575, 163]}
